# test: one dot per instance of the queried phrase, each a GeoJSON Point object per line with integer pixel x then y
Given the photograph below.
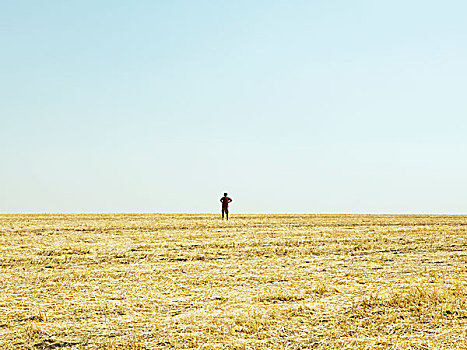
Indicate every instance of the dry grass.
{"type": "Point", "coordinates": [255, 282]}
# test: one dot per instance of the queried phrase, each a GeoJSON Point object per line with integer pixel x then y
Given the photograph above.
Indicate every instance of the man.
{"type": "Point", "coordinates": [225, 206]}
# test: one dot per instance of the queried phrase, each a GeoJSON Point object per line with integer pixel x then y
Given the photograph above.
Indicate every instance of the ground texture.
{"type": "Point", "coordinates": [255, 282]}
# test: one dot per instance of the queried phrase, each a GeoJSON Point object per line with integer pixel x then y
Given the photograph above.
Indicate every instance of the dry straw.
{"type": "Point", "coordinates": [255, 282]}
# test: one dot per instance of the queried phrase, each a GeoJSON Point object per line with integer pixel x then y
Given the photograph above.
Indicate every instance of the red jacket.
{"type": "Point", "coordinates": [225, 202]}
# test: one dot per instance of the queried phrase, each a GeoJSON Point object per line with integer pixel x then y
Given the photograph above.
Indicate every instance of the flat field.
{"type": "Point", "coordinates": [254, 282]}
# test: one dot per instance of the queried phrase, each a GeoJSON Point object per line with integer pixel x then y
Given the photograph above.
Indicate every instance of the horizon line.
{"type": "Point", "coordinates": [235, 214]}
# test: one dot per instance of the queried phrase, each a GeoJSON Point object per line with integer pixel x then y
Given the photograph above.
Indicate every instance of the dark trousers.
{"type": "Point", "coordinates": [226, 211]}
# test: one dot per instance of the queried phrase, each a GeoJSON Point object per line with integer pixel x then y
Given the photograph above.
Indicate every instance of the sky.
{"type": "Point", "coordinates": [290, 106]}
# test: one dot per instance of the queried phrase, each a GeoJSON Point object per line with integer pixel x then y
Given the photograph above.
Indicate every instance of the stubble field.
{"type": "Point", "coordinates": [255, 282]}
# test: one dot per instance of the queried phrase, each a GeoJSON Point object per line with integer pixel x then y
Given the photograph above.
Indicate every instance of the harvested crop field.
{"type": "Point", "coordinates": [254, 282]}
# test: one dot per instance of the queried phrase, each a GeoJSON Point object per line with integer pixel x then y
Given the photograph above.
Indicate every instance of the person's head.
{"type": "Point", "coordinates": [225, 194]}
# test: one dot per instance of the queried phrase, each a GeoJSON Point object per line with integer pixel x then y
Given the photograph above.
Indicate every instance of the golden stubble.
{"type": "Point", "coordinates": [158, 281]}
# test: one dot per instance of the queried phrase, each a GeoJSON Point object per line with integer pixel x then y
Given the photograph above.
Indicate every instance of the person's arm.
{"type": "Point", "coordinates": [230, 200]}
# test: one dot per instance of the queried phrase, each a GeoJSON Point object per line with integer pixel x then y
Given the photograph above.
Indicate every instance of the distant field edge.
{"type": "Point", "coordinates": [233, 214]}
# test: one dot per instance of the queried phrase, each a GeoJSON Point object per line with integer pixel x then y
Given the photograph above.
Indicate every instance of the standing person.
{"type": "Point", "coordinates": [225, 206]}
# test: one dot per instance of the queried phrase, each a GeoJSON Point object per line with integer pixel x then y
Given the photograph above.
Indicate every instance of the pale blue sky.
{"type": "Point", "coordinates": [290, 106]}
